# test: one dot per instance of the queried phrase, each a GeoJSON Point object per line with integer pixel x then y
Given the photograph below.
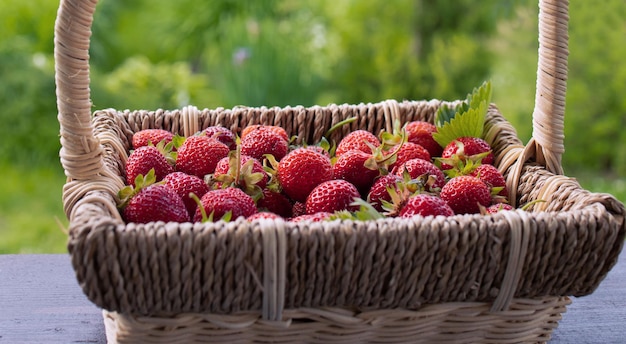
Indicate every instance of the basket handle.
{"type": "Point", "coordinates": [81, 153]}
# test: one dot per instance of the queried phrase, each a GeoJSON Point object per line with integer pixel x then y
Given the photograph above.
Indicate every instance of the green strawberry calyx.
{"type": "Point", "coordinates": [141, 182]}
{"type": "Point", "coordinates": [465, 119]}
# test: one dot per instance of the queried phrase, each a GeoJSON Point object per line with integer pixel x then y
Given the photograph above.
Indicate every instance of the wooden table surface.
{"type": "Point", "coordinates": [41, 302]}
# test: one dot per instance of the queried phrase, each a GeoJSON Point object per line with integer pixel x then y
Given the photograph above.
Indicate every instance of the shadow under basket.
{"type": "Point", "coordinates": [501, 278]}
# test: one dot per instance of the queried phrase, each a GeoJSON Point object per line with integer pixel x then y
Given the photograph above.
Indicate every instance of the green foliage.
{"type": "Point", "coordinates": [466, 120]}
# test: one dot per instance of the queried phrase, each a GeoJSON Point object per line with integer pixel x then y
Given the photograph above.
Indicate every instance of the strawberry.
{"type": "Point", "coordinates": [222, 134]}
{"type": "Point", "coordinates": [466, 148]}
{"type": "Point", "coordinates": [421, 133]}
{"type": "Point", "coordinates": [151, 136]}
{"type": "Point", "coordinates": [143, 159]}
{"type": "Point", "coordinates": [331, 196]}
{"type": "Point", "coordinates": [245, 173]}
{"type": "Point", "coordinates": [301, 171]}
{"type": "Point", "coordinates": [419, 167]}
{"type": "Point", "coordinates": [276, 129]}
{"type": "Point", "coordinates": [298, 208]}
{"type": "Point", "coordinates": [264, 140]}
{"type": "Point", "coordinates": [199, 154]}
{"type": "Point", "coordinates": [492, 177]}
{"type": "Point", "coordinates": [379, 193]}
{"type": "Point", "coordinates": [351, 166]}
{"type": "Point", "coordinates": [409, 151]}
{"type": "Point", "coordinates": [276, 202]}
{"type": "Point", "coordinates": [466, 194]}
{"type": "Point", "coordinates": [184, 184]}
{"type": "Point", "coordinates": [216, 203]}
{"type": "Point", "coordinates": [425, 205]}
{"type": "Point", "coordinates": [263, 215]}
{"type": "Point", "coordinates": [317, 217]}
{"type": "Point", "coordinates": [359, 139]}
{"type": "Point", "coordinates": [156, 202]}
{"type": "Point", "coordinates": [494, 208]}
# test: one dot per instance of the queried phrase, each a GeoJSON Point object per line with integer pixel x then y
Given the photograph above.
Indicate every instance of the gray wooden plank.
{"type": "Point", "coordinates": [599, 317]}
{"type": "Point", "coordinates": [41, 302]}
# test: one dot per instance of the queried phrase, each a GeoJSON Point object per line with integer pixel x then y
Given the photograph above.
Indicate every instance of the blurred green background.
{"type": "Point", "coordinates": [148, 54]}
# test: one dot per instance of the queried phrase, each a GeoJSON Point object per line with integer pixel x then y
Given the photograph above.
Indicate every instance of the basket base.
{"type": "Point", "coordinates": [526, 321]}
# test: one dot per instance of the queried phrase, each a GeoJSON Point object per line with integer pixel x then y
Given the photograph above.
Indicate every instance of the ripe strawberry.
{"type": "Point", "coordinates": [351, 166]}
{"type": "Point", "coordinates": [409, 151]}
{"type": "Point", "coordinates": [494, 208]}
{"type": "Point", "coordinates": [145, 158]}
{"type": "Point", "coordinates": [301, 171]}
{"type": "Point", "coordinates": [421, 133]}
{"type": "Point", "coordinates": [156, 202]}
{"type": "Point", "coordinates": [358, 139]}
{"type": "Point", "coordinates": [276, 129]}
{"type": "Point", "coordinates": [263, 141]}
{"type": "Point", "coordinates": [222, 134]}
{"type": "Point", "coordinates": [199, 154]}
{"type": "Point", "coordinates": [151, 136]}
{"type": "Point", "coordinates": [331, 196]}
{"type": "Point", "coordinates": [425, 205]}
{"type": "Point", "coordinates": [184, 184]}
{"type": "Point", "coordinates": [275, 202]}
{"type": "Point", "coordinates": [298, 208]}
{"type": "Point", "coordinates": [379, 193]}
{"type": "Point", "coordinates": [466, 194]}
{"type": "Point", "coordinates": [419, 167]}
{"type": "Point", "coordinates": [464, 148]}
{"type": "Point", "coordinates": [263, 215]}
{"type": "Point", "coordinates": [492, 177]}
{"type": "Point", "coordinates": [217, 203]}
{"type": "Point", "coordinates": [250, 172]}
{"type": "Point", "coordinates": [317, 217]}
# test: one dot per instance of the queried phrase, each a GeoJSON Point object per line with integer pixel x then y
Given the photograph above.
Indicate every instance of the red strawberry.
{"type": "Point", "coordinates": [156, 202]}
{"type": "Point", "coordinates": [407, 152]}
{"type": "Point", "coordinates": [263, 215]}
{"type": "Point", "coordinates": [379, 192]}
{"type": "Point", "coordinates": [298, 208]}
{"type": "Point", "coordinates": [219, 202]}
{"type": "Point", "coordinates": [466, 194]}
{"type": "Point", "coordinates": [494, 208]}
{"type": "Point", "coordinates": [351, 166]}
{"type": "Point", "coordinates": [276, 129]}
{"type": "Point", "coordinates": [492, 177]}
{"type": "Point", "coordinates": [419, 167]}
{"type": "Point", "coordinates": [357, 139]}
{"type": "Point", "coordinates": [317, 217]}
{"type": "Point", "coordinates": [151, 136]}
{"type": "Point", "coordinates": [465, 148]}
{"type": "Point", "coordinates": [223, 135]}
{"type": "Point", "coordinates": [142, 160]}
{"type": "Point", "coordinates": [250, 172]}
{"type": "Point", "coordinates": [199, 155]}
{"type": "Point", "coordinates": [301, 171]}
{"type": "Point", "coordinates": [184, 184]}
{"type": "Point", "coordinates": [425, 205]}
{"type": "Point", "coordinates": [421, 133]}
{"type": "Point", "coordinates": [331, 196]}
{"type": "Point", "coordinates": [263, 141]}
{"type": "Point", "coordinates": [276, 203]}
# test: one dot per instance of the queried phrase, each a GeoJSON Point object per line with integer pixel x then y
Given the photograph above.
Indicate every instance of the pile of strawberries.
{"type": "Point", "coordinates": [218, 175]}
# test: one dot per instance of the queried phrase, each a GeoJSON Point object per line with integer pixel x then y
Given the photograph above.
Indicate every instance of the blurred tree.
{"type": "Point", "coordinates": [595, 113]}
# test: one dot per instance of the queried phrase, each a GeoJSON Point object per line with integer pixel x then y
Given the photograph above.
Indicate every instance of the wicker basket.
{"type": "Point", "coordinates": [503, 278]}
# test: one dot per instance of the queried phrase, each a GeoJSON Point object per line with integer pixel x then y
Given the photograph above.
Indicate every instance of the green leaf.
{"type": "Point", "coordinates": [468, 119]}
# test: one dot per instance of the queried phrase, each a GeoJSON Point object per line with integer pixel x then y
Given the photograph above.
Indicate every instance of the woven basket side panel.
{"type": "Point", "coordinates": [527, 321]}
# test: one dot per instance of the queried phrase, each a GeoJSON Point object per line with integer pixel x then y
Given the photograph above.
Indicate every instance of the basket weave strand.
{"type": "Point", "coordinates": [503, 278]}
